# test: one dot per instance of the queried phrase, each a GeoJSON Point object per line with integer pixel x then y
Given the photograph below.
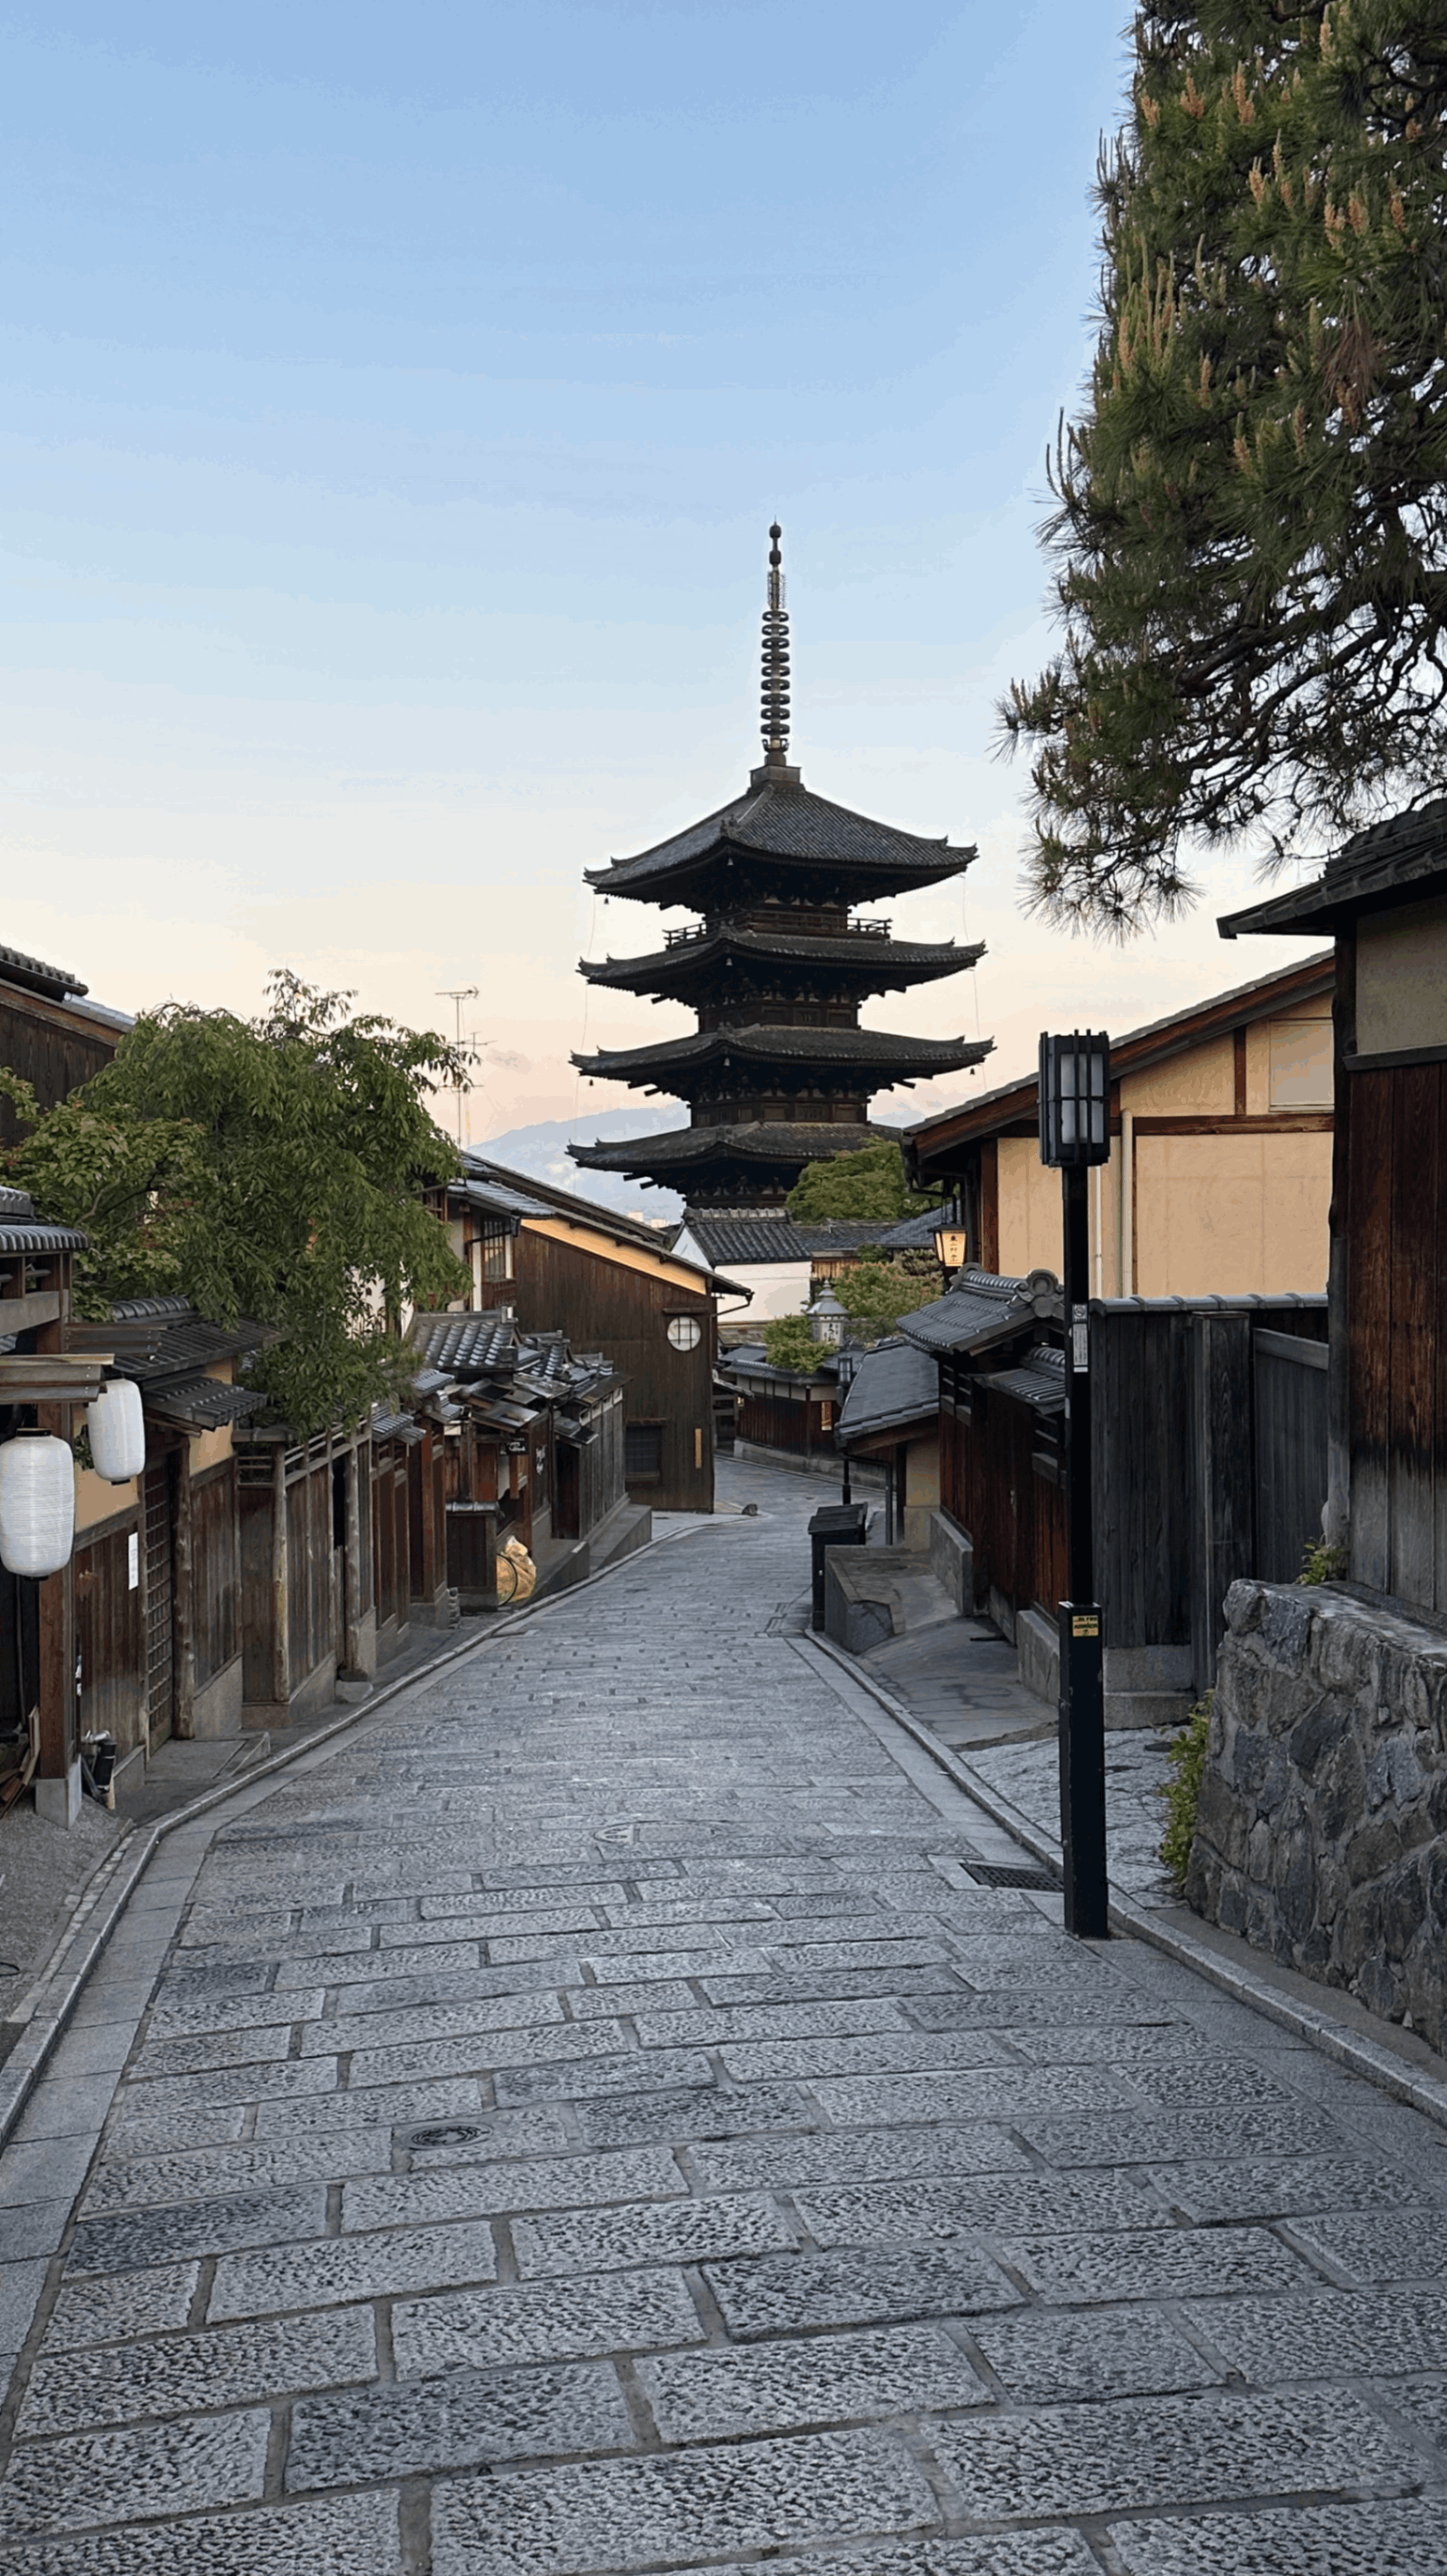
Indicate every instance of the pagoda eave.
{"type": "Point", "coordinates": [860, 962]}
{"type": "Point", "coordinates": [683, 1150]}
{"type": "Point", "coordinates": [873, 1053]}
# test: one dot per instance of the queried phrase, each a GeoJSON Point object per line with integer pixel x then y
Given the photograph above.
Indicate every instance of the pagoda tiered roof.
{"type": "Point", "coordinates": [729, 1166]}
{"type": "Point", "coordinates": [861, 959]}
{"type": "Point", "coordinates": [779, 834]}
{"type": "Point", "coordinates": [884, 1057]}
{"type": "Point", "coordinates": [776, 969]}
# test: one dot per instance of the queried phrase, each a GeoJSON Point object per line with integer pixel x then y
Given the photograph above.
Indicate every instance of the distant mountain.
{"type": "Point", "coordinates": [542, 1152]}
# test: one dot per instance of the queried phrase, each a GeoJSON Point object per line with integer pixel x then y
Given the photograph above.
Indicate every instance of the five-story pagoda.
{"type": "Point", "coordinates": [779, 1072]}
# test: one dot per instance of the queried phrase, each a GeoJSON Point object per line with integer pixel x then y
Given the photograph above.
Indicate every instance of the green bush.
{"type": "Point", "coordinates": [1182, 1791]}
{"type": "Point", "coordinates": [790, 1344]}
{"type": "Point", "coordinates": [1320, 1563]}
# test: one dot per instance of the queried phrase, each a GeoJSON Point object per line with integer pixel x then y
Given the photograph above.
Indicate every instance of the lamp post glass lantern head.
{"type": "Point", "coordinates": [1074, 1100]}
{"type": "Point", "coordinates": [951, 1245]}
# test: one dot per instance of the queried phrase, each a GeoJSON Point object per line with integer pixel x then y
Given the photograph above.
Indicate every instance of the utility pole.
{"type": "Point", "coordinates": [457, 994]}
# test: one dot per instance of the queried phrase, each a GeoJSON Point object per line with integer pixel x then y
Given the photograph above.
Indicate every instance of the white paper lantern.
{"type": "Point", "coordinates": [117, 1430]}
{"type": "Point", "coordinates": [37, 1504]}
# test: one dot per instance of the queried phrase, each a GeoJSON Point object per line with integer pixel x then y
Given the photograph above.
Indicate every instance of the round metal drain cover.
{"type": "Point", "coordinates": [455, 2133]}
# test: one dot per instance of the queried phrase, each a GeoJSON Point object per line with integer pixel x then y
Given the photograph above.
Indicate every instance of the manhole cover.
{"type": "Point", "coordinates": [453, 2133]}
{"type": "Point", "coordinates": [990, 1873]}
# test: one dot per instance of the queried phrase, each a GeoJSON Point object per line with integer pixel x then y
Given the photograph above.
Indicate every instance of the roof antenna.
{"type": "Point", "coordinates": [775, 707]}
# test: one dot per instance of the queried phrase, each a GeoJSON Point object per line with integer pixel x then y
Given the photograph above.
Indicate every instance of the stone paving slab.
{"type": "Point", "coordinates": [826, 2379]}
{"type": "Point", "coordinates": [170, 2374]}
{"type": "Point", "coordinates": [909, 2212]}
{"type": "Point", "coordinates": [544, 2321]}
{"type": "Point", "coordinates": [113, 2306]}
{"type": "Point", "coordinates": [790, 2293]}
{"type": "Point", "coordinates": [457, 2422]}
{"type": "Point", "coordinates": [1123, 2454]}
{"type": "Point", "coordinates": [381, 2264]}
{"type": "Point", "coordinates": [1163, 2264]}
{"type": "Point", "coordinates": [345, 2536]}
{"type": "Point", "coordinates": [92, 2478]}
{"type": "Point", "coordinates": [1408, 2539]}
{"type": "Point", "coordinates": [856, 2156]}
{"type": "Point", "coordinates": [695, 2504]}
{"type": "Point", "coordinates": [1042, 2357]}
{"type": "Point", "coordinates": [612, 2240]}
{"type": "Point", "coordinates": [146, 2236]}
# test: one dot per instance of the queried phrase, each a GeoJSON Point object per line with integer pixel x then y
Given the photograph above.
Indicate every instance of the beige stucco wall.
{"type": "Point", "coordinates": [1224, 1215]}
{"type": "Point", "coordinates": [96, 1501]}
{"type": "Point", "coordinates": [1402, 979]}
{"type": "Point", "coordinates": [1211, 1215]}
{"type": "Point", "coordinates": [1029, 1209]}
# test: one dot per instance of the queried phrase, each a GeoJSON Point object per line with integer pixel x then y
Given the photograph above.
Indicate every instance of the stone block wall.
{"type": "Point", "coordinates": [1322, 1827]}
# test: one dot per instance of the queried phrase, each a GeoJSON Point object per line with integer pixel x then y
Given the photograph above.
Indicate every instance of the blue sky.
{"type": "Point", "coordinates": [396, 405]}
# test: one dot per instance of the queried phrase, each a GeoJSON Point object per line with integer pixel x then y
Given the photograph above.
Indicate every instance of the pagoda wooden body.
{"type": "Point", "coordinates": [778, 1072]}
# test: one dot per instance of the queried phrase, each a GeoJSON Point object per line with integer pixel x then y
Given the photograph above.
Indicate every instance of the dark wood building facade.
{"type": "Point", "coordinates": [51, 1033]}
{"type": "Point", "coordinates": [611, 1285]}
{"type": "Point", "coordinates": [1384, 899]}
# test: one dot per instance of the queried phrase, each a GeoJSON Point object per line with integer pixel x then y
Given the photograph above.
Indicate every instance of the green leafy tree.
{"type": "Point", "coordinates": [870, 1183]}
{"type": "Point", "coordinates": [789, 1344]}
{"type": "Point", "coordinates": [273, 1168]}
{"type": "Point", "coordinates": [1250, 545]}
{"type": "Point", "coordinates": [876, 1292]}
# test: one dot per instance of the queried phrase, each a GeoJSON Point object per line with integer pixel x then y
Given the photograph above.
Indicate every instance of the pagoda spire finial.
{"type": "Point", "coordinates": [775, 708]}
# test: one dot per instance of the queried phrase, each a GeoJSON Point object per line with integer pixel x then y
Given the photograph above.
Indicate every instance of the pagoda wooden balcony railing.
{"type": "Point", "coordinates": [855, 928]}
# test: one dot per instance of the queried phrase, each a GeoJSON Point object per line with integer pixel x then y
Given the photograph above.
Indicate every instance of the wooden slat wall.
{"type": "Point", "coordinates": [1398, 1332]}
{"type": "Point", "coordinates": [54, 1058]}
{"type": "Point", "coordinates": [110, 1632]}
{"type": "Point", "coordinates": [216, 1571]}
{"type": "Point", "coordinates": [603, 1306]}
{"type": "Point", "coordinates": [1290, 1408]}
{"type": "Point", "coordinates": [258, 1638]}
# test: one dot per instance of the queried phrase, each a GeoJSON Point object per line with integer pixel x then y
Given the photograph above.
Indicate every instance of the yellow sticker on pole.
{"type": "Point", "coordinates": [1085, 1623]}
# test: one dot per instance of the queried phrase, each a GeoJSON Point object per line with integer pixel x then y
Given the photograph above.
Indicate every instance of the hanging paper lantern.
{"type": "Point", "coordinates": [117, 1431]}
{"type": "Point", "coordinates": [37, 1504]}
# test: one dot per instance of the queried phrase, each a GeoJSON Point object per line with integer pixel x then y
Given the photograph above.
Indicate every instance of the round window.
{"type": "Point", "coordinates": [685, 1332]}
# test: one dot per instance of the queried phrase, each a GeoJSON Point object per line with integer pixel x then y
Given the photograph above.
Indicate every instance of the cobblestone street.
{"type": "Point", "coordinates": [592, 2119]}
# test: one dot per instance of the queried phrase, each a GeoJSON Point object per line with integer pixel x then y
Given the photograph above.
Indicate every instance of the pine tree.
{"type": "Point", "coordinates": [1250, 545]}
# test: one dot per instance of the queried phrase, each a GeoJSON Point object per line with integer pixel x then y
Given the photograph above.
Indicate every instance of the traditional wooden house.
{"type": "Point", "coordinates": [1383, 897]}
{"type": "Point", "coordinates": [782, 1412]}
{"type": "Point", "coordinates": [1221, 1146]}
{"type": "Point", "coordinates": [159, 1617]}
{"type": "Point", "coordinates": [42, 1388]}
{"type": "Point", "coordinates": [1208, 1463]}
{"type": "Point", "coordinates": [891, 1416]}
{"type": "Point", "coordinates": [560, 1264]}
{"type": "Point", "coordinates": [779, 1072]}
{"type": "Point", "coordinates": [51, 1033]}
{"type": "Point", "coordinates": [532, 1450]}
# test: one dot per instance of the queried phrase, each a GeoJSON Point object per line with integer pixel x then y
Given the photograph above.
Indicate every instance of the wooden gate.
{"type": "Point", "coordinates": [1291, 1427]}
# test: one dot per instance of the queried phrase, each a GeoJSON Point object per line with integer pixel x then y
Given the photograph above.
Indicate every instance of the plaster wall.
{"type": "Point", "coordinates": [1402, 979]}
{"type": "Point", "coordinates": [1227, 1215]}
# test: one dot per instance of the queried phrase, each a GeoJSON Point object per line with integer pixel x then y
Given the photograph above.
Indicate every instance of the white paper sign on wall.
{"type": "Point", "coordinates": [133, 1561]}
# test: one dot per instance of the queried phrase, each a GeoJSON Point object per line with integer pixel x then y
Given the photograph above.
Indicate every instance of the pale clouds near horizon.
{"type": "Point", "coordinates": [387, 464]}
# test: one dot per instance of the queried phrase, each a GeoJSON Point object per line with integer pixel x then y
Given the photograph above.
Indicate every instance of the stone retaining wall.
{"type": "Point", "coordinates": [1320, 1831]}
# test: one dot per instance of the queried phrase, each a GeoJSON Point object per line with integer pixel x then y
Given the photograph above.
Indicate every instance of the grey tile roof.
{"type": "Point", "coordinates": [913, 1233]}
{"type": "Point", "coordinates": [548, 1201]}
{"type": "Point", "coordinates": [202, 1401]}
{"type": "Point", "coordinates": [895, 1383]}
{"type": "Point", "coordinates": [980, 1309]}
{"type": "Point", "coordinates": [1039, 1380]}
{"type": "Point", "coordinates": [1407, 852]}
{"type": "Point", "coordinates": [496, 1199]}
{"type": "Point", "coordinates": [41, 1238]}
{"type": "Point", "coordinates": [786, 821]}
{"type": "Point", "coordinates": [466, 1345]}
{"type": "Point", "coordinates": [181, 1346]}
{"type": "Point", "coordinates": [34, 976]}
{"type": "Point", "coordinates": [742, 1240]}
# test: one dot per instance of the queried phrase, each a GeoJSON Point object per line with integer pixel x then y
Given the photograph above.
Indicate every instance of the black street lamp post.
{"type": "Point", "coordinates": [1074, 1134]}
